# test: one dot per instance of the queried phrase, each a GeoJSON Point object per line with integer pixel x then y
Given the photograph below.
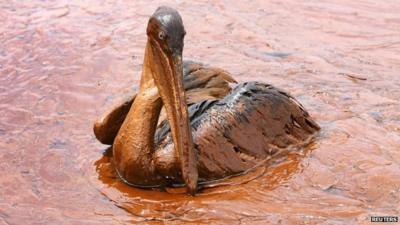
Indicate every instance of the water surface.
{"type": "Point", "coordinates": [63, 63]}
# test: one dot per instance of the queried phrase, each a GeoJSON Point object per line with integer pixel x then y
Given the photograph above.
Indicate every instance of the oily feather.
{"type": "Point", "coordinates": [233, 134]}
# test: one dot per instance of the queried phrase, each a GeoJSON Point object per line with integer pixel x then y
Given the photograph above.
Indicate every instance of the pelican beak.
{"type": "Point", "coordinates": [168, 76]}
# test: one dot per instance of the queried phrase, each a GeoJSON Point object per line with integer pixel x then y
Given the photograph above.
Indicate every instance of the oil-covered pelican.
{"type": "Point", "coordinates": [222, 132]}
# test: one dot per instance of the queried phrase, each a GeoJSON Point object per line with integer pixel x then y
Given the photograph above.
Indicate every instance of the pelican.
{"type": "Point", "coordinates": [186, 126]}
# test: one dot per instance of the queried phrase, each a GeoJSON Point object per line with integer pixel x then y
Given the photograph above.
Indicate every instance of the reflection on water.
{"type": "Point", "coordinates": [146, 203]}
{"type": "Point", "coordinates": [63, 63]}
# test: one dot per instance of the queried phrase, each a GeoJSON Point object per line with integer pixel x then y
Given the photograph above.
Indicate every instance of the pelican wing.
{"type": "Point", "coordinates": [234, 134]}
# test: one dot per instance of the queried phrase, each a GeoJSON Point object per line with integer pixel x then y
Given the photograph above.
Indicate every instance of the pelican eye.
{"type": "Point", "coordinates": [161, 35]}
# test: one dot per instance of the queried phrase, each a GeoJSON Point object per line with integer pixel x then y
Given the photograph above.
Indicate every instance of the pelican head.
{"type": "Point", "coordinates": [165, 34]}
{"type": "Point", "coordinates": [166, 28]}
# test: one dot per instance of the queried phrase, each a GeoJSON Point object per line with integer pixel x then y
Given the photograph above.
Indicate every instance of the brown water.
{"type": "Point", "coordinates": [63, 63]}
